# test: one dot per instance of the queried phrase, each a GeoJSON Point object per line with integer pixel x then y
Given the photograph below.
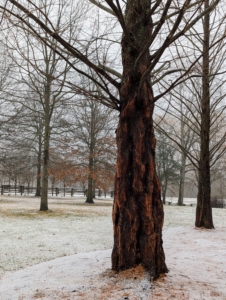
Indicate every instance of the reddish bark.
{"type": "Point", "coordinates": [138, 210]}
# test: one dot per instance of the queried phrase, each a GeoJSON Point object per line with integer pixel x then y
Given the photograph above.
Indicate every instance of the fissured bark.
{"type": "Point", "coordinates": [138, 210]}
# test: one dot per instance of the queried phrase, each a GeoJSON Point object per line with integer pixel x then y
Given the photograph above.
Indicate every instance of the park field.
{"type": "Point", "coordinates": [71, 229]}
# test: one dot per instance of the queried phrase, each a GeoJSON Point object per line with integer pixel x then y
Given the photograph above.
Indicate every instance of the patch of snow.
{"type": "Point", "coordinates": [196, 258]}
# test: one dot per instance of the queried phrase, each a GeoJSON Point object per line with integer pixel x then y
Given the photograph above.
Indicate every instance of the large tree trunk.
{"type": "Point", "coordinates": [138, 210]}
{"type": "Point", "coordinates": [204, 210]}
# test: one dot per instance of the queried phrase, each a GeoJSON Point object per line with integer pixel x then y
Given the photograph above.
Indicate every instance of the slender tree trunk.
{"type": "Point", "coordinates": [138, 209]}
{"type": "Point", "coordinates": [38, 183]}
{"type": "Point", "coordinates": [45, 175]}
{"type": "Point", "coordinates": [94, 189]}
{"type": "Point", "coordinates": [183, 157]}
{"type": "Point", "coordinates": [204, 210]}
{"type": "Point", "coordinates": [15, 184]}
{"type": "Point", "coordinates": [182, 178]}
{"type": "Point", "coordinates": [164, 195]}
{"type": "Point", "coordinates": [89, 198]}
{"type": "Point", "coordinates": [164, 189]}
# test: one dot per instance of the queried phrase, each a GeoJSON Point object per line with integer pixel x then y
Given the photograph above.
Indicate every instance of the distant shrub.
{"type": "Point", "coordinates": [216, 202]}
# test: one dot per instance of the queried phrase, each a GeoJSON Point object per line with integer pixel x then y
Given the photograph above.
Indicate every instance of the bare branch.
{"type": "Point", "coordinates": [103, 7]}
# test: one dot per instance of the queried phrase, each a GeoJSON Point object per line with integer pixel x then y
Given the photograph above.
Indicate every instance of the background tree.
{"type": "Point", "coordinates": [43, 103]}
{"type": "Point", "coordinates": [178, 124]}
{"type": "Point", "coordinates": [167, 166]}
{"type": "Point", "coordinates": [94, 127]}
{"type": "Point", "coordinates": [204, 116]}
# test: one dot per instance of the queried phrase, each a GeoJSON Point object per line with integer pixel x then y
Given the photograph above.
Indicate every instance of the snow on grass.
{"type": "Point", "coordinates": [185, 216]}
{"type": "Point", "coordinates": [29, 236]}
{"type": "Point", "coordinates": [196, 257]}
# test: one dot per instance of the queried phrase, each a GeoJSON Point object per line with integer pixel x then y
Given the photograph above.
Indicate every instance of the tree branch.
{"type": "Point", "coordinates": [108, 10]}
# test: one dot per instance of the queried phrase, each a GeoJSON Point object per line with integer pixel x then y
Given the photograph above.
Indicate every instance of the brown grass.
{"type": "Point", "coordinates": [34, 214]}
{"type": "Point", "coordinates": [29, 208]}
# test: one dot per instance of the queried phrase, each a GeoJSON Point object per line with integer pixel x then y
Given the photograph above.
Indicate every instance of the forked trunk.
{"type": "Point", "coordinates": [138, 209]}
{"type": "Point", "coordinates": [204, 209]}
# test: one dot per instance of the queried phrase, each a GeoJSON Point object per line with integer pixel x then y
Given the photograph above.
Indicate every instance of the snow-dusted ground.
{"type": "Point", "coordinates": [29, 236]}
{"type": "Point", "coordinates": [48, 243]}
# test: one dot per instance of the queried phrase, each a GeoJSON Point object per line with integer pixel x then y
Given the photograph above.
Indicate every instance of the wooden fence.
{"type": "Point", "coordinates": [54, 191]}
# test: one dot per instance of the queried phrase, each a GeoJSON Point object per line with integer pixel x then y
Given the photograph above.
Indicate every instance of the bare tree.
{"type": "Point", "coordinates": [177, 125]}
{"type": "Point", "coordinates": [203, 118]}
{"type": "Point", "coordinates": [43, 74]}
{"type": "Point", "coordinates": [166, 163]}
{"type": "Point", "coordinates": [94, 127]}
